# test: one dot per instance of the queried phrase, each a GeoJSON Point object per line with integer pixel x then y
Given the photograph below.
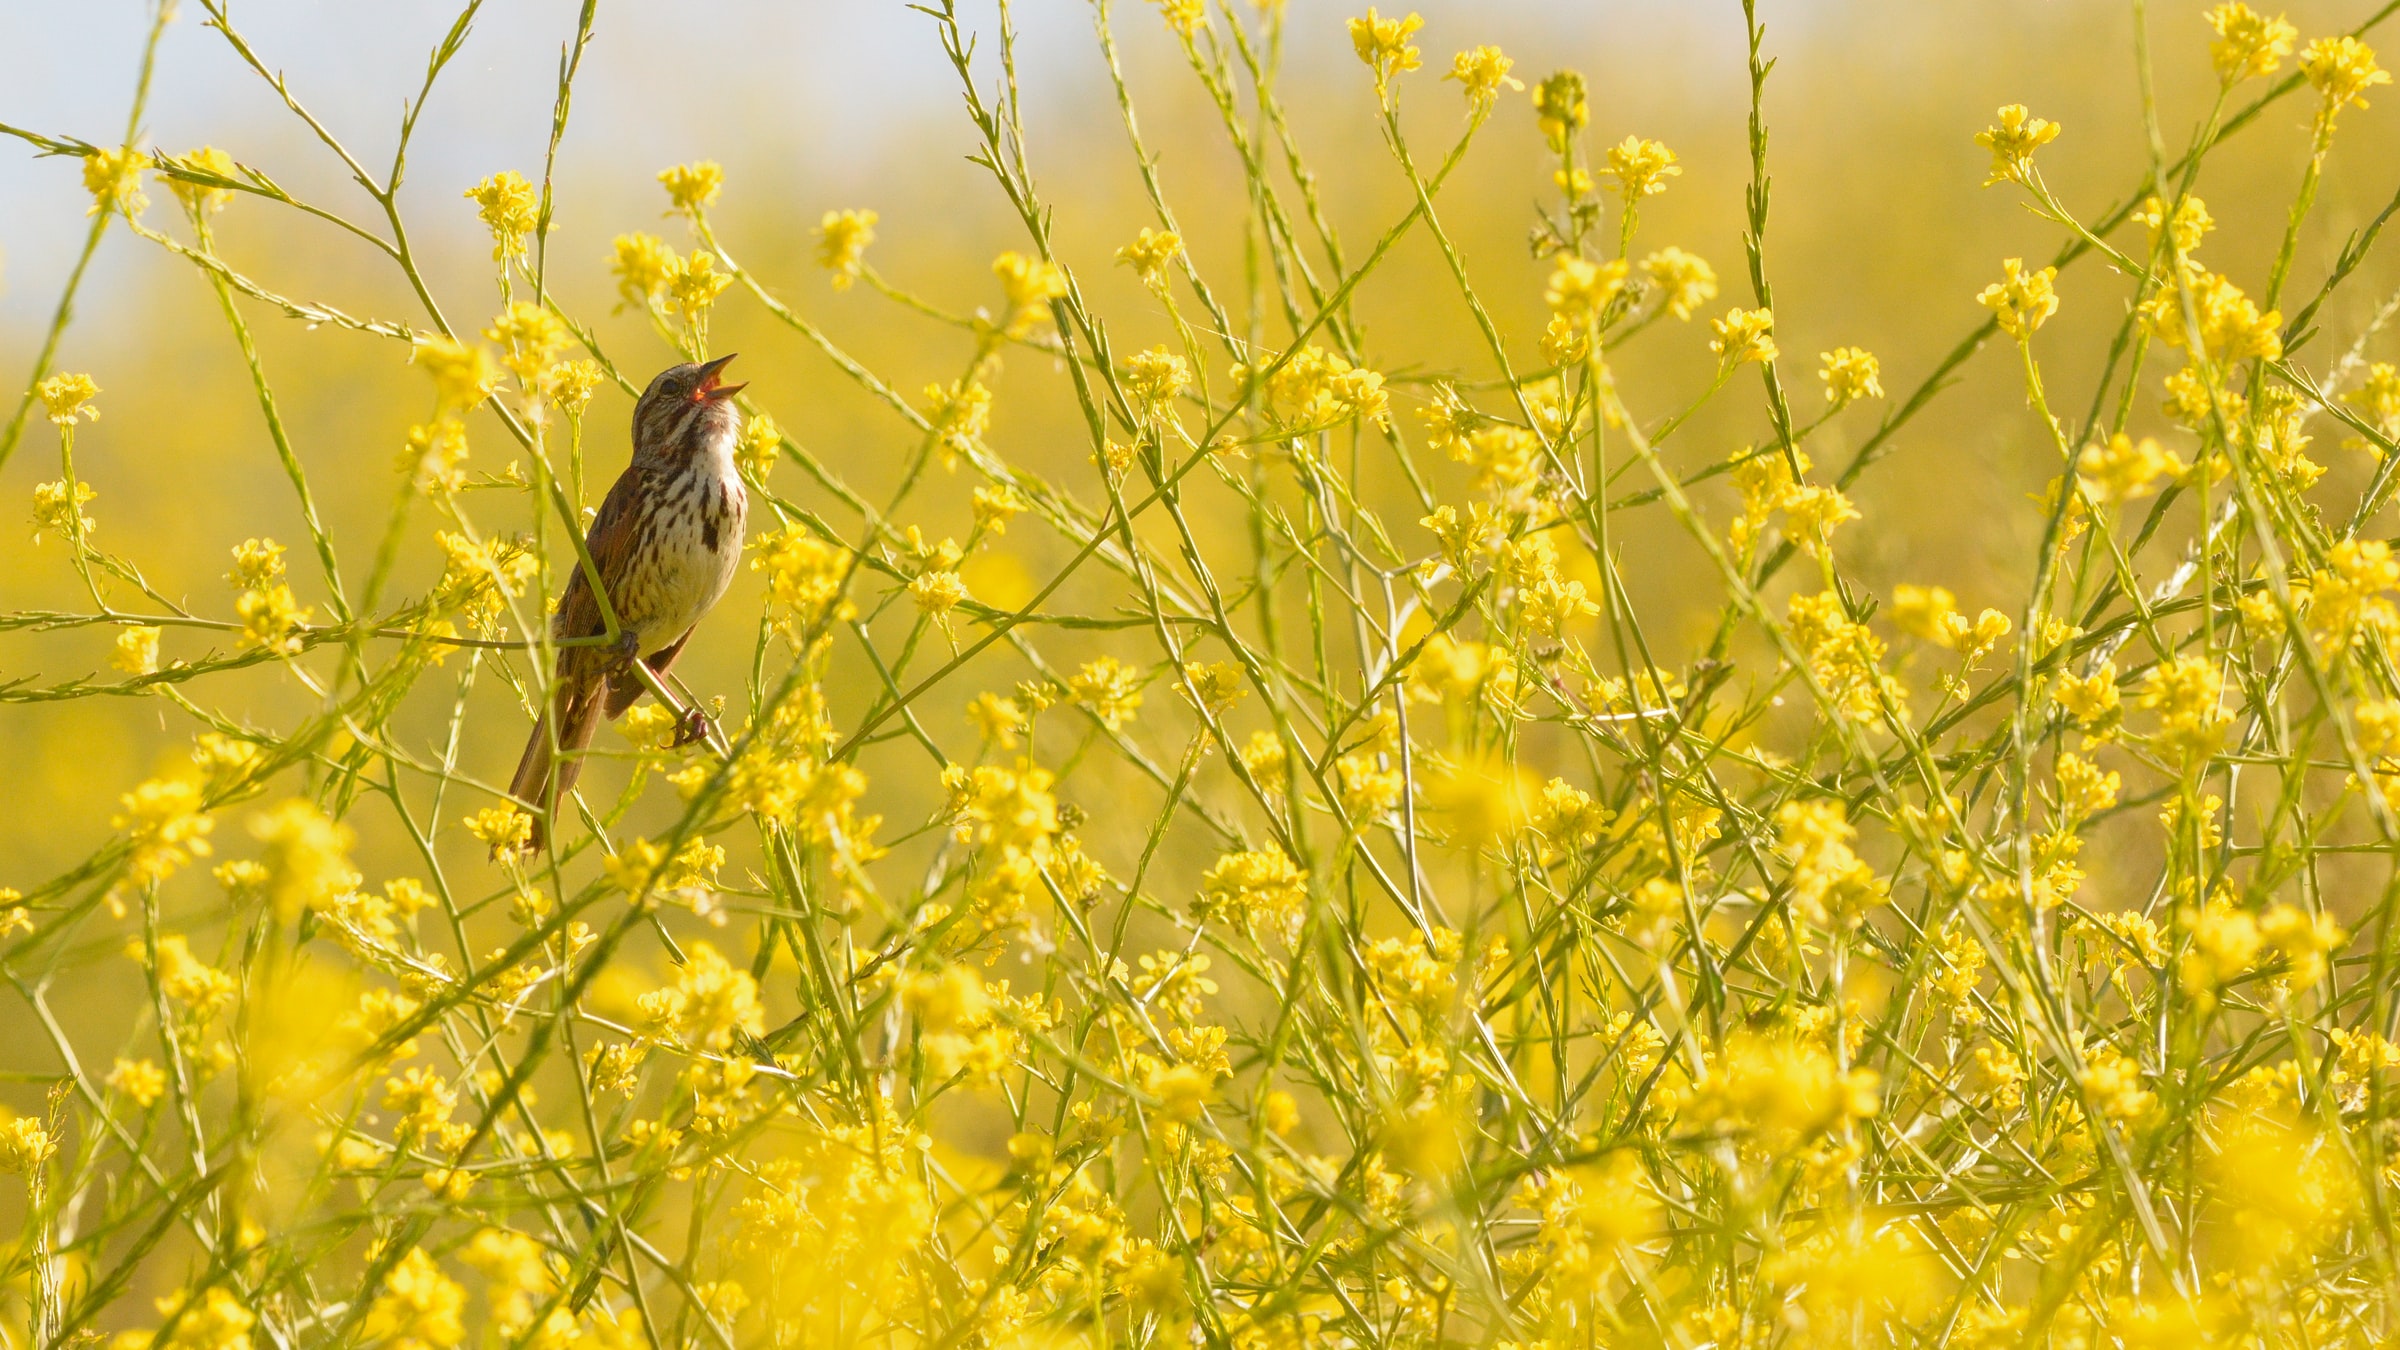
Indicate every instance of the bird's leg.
{"type": "Point", "coordinates": [627, 646]}
{"type": "Point", "coordinates": [691, 728]}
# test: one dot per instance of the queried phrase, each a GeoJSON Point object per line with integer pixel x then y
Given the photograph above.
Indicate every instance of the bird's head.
{"type": "Point", "coordinates": [685, 409]}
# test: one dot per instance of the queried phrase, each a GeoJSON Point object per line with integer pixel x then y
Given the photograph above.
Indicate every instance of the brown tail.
{"type": "Point", "coordinates": [546, 773]}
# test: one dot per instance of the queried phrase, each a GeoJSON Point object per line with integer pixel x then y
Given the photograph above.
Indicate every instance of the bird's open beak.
{"type": "Point", "coordinates": [708, 386]}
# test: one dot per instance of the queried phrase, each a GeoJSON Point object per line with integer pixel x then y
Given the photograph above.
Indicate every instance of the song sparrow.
{"type": "Point", "coordinates": [666, 541]}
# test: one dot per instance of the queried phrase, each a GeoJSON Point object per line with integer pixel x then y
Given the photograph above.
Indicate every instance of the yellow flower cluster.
{"type": "Point", "coordinates": [1743, 335]}
{"type": "Point", "coordinates": [1030, 284]}
{"type": "Point", "coordinates": [272, 618]}
{"type": "Point", "coordinates": [1846, 658]}
{"type": "Point", "coordinates": [692, 188]}
{"type": "Point", "coordinates": [1482, 72]}
{"type": "Point", "coordinates": [2012, 141]}
{"type": "Point", "coordinates": [2248, 44]}
{"type": "Point", "coordinates": [842, 239]}
{"type": "Point", "coordinates": [2021, 301]}
{"type": "Point", "coordinates": [1383, 44]}
{"type": "Point", "coordinates": [1317, 389]}
{"type": "Point", "coordinates": [510, 208]}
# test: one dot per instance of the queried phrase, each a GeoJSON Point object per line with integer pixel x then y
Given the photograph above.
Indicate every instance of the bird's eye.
{"type": "Point", "coordinates": [670, 387]}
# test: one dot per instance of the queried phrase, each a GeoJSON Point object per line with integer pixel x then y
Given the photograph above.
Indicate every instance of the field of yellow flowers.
{"type": "Point", "coordinates": [1363, 763]}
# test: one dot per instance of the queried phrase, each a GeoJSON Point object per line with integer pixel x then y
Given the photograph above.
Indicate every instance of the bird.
{"type": "Point", "coordinates": [666, 542]}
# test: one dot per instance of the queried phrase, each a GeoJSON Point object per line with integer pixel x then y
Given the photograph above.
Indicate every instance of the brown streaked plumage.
{"type": "Point", "coordinates": [666, 541]}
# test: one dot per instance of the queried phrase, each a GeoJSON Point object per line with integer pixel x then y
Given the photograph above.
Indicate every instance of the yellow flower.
{"type": "Point", "coordinates": [805, 576]}
{"type": "Point", "coordinates": [1183, 1091]}
{"type": "Point", "coordinates": [114, 178]}
{"type": "Point", "coordinates": [1780, 1091]}
{"type": "Point", "coordinates": [2248, 43]}
{"type": "Point", "coordinates": [695, 283]}
{"type": "Point", "coordinates": [58, 507]}
{"type": "Point", "coordinates": [169, 825]}
{"type": "Point", "coordinates": [2012, 141]}
{"type": "Point", "coordinates": [2342, 69]}
{"type": "Point", "coordinates": [994, 507]}
{"type": "Point", "coordinates": [199, 198]}
{"type": "Point", "coordinates": [1216, 685]}
{"type": "Point", "coordinates": [1367, 790]}
{"type": "Point", "coordinates": [418, 1307]}
{"type": "Point", "coordinates": [1153, 379]}
{"type": "Point", "coordinates": [761, 444]}
{"type": "Point", "coordinates": [2121, 469]}
{"type": "Point", "coordinates": [2348, 597]}
{"type": "Point", "coordinates": [503, 828]}
{"type": "Point", "coordinates": [202, 989]}
{"type": "Point", "coordinates": [510, 208]}
{"type": "Point", "coordinates": [1265, 760]}
{"type": "Point", "coordinates": [272, 618]}
{"type": "Point", "coordinates": [67, 397]}
{"type": "Point", "coordinates": [1261, 892]}
{"type": "Point", "coordinates": [2185, 692]}
{"type": "Point", "coordinates": [842, 239]}
{"type": "Point", "coordinates": [1685, 280]}
{"type": "Point", "coordinates": [136, 651]}
{"type": "Point", "coordinates": [1030, 285]}
{"type": "Point", "coordinates": [711, 1004]}
{"type": "Point", "coordinates": [2190, 225]}
{"type": "Point", "coordinates": [140, 1080]}
{"type": "Point", "coordinates": [463, 376]}
{"type": "Point", "coordinates": [1481, 73]}
{"type": "Point", "coordinates": [642, 263]}
{"type": "Point", "coordinates": [960, 413]}
{"type": "Point", "coordinates": [1872, 1280]}
{"type": "Point", "coordinates": [632, 868]}
{"type": "Point", "coordinates": [1184, 16]}
{"type": "Point", "coordinates": [1110, 688]}
{"type": "Point", "coordinates": [307, 856]}
{"type": "Point", "coordinates": [1475, 799]}
{"type": "Point", "coordinates": [692, 187]}
{"type": "Point", "coordinates": [2378, 398]}
{"type": "Point", "coordinates": [1383, 45]}
{"type": "Point", "coordinates": [256, 562]}
{"type": "Point", "coordinates": [212, 1320]}
{"type": "Point", "coordinates": [937, 593]}
{"type": "Point", "coordinates": [1814, 514]}
{"type": "Point", "coordinates": [1149, 254]}
{"type": "Point", "coordinates": [2231, 325]}
{"type": "Point", "coordinates": [1641, 167]}
{"type": "Point", "coordinates": [530, 339]}
{"type": "Point", "coordinates": [25, 1144]}
{"type": "Point", "coordinates": [1000, 720]}
{"type": "Point", "coordinates": [1743, 335]}
{"type": "Point", "coordinates": [1830, 883]}
{"type": "Point", "coordinates": [1850, 374]}
{"type": "Point", "coordinates": [1924, 611]}
{"type": "Point", "coordinates": [2089, 699]}
{"type": "Point", "coordinates": [1318, 388]}
{"type": "Point", "coordinates": [569, 385]}
{"type": "Point", "coordinates": [2084, 788]}
{"type": "Point", "coordinates": [2022, 301]}
{"type": "Point", "coordinates": [271, 615]}
{"type": "Point", "coordinates": [2304, 939]}
{"type": "Point", "coordinates": [1581, 290]}
{"type": "Point", "coordinates": [1558, 103]}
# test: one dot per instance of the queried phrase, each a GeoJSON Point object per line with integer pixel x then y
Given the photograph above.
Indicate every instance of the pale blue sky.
{"type": "Point", "coordinates": [813, 89]}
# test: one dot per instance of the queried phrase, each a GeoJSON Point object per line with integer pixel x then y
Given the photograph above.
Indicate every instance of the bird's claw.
{"type": "Point", "coordinates": [690, 729]}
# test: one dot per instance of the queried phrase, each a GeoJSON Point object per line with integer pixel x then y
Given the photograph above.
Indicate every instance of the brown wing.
{"type": "Point", "coordinates": [611, 545]}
